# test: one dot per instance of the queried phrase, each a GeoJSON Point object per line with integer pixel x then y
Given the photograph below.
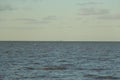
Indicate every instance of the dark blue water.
{"type": "Point", "coordinates": [59, 61]}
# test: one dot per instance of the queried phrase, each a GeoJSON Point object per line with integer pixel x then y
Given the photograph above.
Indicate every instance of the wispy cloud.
{"type": "Point", "coordinates": [7, 5]}
{"type": "Point", "coordinates": [88, 3]}
{"type": "Point", "coordinates": [93, 11]}
{"type": "Point", "coordinates": [6, 8]}
{"type": "Point", "coordinates": [27, 19]}
{"type": "Point", "coordinates": [44, 20]}
{"type": "Point", "coordinates": [110, 17]}
{"type": "Point", "coordinates": [30, 23]}
{"type": "Point", "coordinates": [19, 27]}
{"type": "Point", "coordinates": [49, 18]}
{"type": "Point", "coordinates": [90, 8]}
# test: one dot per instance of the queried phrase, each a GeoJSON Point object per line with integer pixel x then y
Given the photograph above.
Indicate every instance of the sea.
{"type": "Point", "coordinates": [59, 60]}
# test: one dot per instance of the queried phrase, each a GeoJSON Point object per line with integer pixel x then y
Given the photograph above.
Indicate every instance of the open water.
{"type": "Point", "coordinates": [59, 60]}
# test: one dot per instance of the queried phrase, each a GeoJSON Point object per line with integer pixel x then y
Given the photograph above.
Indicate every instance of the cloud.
{"type": "Point", "coordinates": [49, 18]}
{"type": "Point", "coordinates": [7, 5]}
{"type": "Point", "coordinates": [90, 8]}
{"type": "Point", "coordinates": [110, 17]}
{"type": "Point", "coordinates": [19, 27]}
{"type": "Point", "coordinates": [6, 8]}
{"type": "Point", "coordinates": [25, 0]}
{"type": "Point", "coordinates": [44, 20]}
{"type": "Point", "coordinates": [88, 3]}
{"type": "Point", "coordinates": [93, 11]}
{"type": "Point", "coordinates": [27, 19]}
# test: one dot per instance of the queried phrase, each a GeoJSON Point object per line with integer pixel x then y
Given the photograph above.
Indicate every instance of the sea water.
{"type": "Point", "coordinates": [59, 60]}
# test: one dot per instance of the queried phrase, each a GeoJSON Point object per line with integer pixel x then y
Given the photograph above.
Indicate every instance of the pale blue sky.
{"type": "Point", "coordinates": [44, 20]}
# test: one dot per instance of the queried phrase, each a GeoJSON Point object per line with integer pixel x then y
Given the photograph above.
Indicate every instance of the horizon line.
{"type": "Point", "coordinates": [55, 41]}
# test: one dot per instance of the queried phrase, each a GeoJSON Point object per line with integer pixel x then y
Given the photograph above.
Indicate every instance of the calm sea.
{"type": "Point", "coordinates": [59, 60]}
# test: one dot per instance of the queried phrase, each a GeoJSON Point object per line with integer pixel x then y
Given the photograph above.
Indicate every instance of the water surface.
{"type": "Point", "coordinates": [59, 60]}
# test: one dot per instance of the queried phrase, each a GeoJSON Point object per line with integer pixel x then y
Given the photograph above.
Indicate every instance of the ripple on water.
{"type": "Point", "coordinates": [1, 77]}
{"type": "Point", "coordinates": [47, 68]}
{"type": "Point", "coordinates": [100, 77]}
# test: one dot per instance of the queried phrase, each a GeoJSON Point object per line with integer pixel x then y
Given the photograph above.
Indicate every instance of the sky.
{"type": "Point", "coordinates": [59, 20]}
